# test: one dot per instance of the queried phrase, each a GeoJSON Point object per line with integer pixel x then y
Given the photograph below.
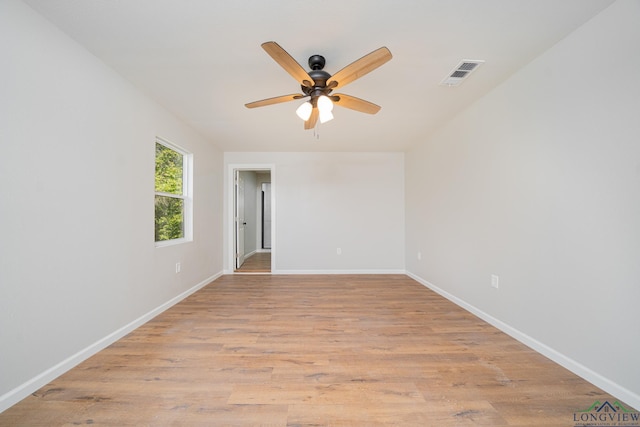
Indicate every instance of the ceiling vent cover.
{"type": "Point", "coordinates": [461, 72]}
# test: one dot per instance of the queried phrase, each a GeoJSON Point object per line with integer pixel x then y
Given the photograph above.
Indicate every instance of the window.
{"type": "Point", "coordinates": [172, 194]}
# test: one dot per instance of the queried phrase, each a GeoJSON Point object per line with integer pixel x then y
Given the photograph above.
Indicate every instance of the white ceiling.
{"type": "Point", "coordinates": [202, 59]}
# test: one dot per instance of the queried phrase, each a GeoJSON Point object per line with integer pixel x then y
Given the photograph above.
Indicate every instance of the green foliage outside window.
{"type": "Point", "coordinates": [169, 204]}
{"type": "Point", "coordinates": [169, 215]}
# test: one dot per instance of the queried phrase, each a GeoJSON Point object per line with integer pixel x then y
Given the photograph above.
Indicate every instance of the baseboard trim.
{"type": "Point", "coordinates": [339, 272]}
{"type": "Point", "coordinates": [620, 392]}
{"type": "Point", "coordinates": [301, 272]}
{"type": "Point", "coordinates": [17, 394]}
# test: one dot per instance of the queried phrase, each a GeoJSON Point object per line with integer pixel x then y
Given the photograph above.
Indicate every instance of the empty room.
{"type": "Point", "coordinates": [282, 213]}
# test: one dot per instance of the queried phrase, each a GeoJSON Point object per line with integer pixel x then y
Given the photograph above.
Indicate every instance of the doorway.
{"type": "Point", "coordinates": [252, 219]}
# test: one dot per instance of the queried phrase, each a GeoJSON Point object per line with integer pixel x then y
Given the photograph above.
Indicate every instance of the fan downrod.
{"type": "Point", "coordinates": [316, 62]}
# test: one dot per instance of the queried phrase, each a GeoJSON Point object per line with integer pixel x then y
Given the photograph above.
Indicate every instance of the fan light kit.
{"type": "Point", "coordinates": [325, 106]}
{"type": "Point", "coordinates": [317, 84]}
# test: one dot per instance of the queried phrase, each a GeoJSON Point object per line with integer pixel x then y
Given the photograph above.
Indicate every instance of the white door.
{"type": "Point", "coordinates": [239, 219]}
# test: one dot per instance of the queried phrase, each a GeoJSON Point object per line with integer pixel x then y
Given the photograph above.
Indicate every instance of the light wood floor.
{"type": "Point", "coordinates": [312, 351]}
{"type": "Point", "coordinates": [259, 262]}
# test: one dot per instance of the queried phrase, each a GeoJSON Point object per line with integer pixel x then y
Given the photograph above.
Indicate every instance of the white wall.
{"type": "Point", "coordinates": [539, 183]}
{"type": "Point", "coordinates": [77, 257]}
{"type": "Point", "coordinates": [325, 201]}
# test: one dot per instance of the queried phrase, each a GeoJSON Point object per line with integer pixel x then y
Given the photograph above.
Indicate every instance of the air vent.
{"type": "Point", "coordinates": [461, 72]}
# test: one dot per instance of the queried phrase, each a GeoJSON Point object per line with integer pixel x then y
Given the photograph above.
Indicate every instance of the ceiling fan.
{"type": "Point", "coordinates": [317, 84]}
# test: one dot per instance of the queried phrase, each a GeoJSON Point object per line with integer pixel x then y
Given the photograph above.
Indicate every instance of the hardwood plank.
{"type": "Point", "coordinates": [308, 351]}
{"type": "Point", "coordinates": [260, 262]}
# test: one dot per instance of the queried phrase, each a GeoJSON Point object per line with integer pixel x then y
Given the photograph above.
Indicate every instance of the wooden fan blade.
{"type": "Point", "coordinates": [287, 62]}
{"type": "Point", "coordinates": [359, 68]}
{"type": "Point", "coordinates": [354, 103]}
{"type": "Point", "coordinates": [276, 100]}
{"type": "Point", "coordinates": [313, 119]}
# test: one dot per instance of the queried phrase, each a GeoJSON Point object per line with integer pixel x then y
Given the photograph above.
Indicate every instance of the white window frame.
{"type": "Point", "coordinates": [186, 196]}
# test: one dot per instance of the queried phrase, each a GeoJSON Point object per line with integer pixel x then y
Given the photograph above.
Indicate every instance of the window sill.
{"type": "Point", "coordinates": [165, 243]}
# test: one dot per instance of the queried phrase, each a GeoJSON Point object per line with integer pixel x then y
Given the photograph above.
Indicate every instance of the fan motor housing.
{"type": "Point", "coordinates": [319, 76]}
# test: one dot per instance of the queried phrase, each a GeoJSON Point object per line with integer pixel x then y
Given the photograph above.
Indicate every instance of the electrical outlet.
{"type": "Point", "coordinates": [495, 281]}
{"type": "Point", "coordinates": [339, 251]}
{"type": "Point", "coordinates": [419, 256]}
{"type": "Point", "coordinates": [178, 267]}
